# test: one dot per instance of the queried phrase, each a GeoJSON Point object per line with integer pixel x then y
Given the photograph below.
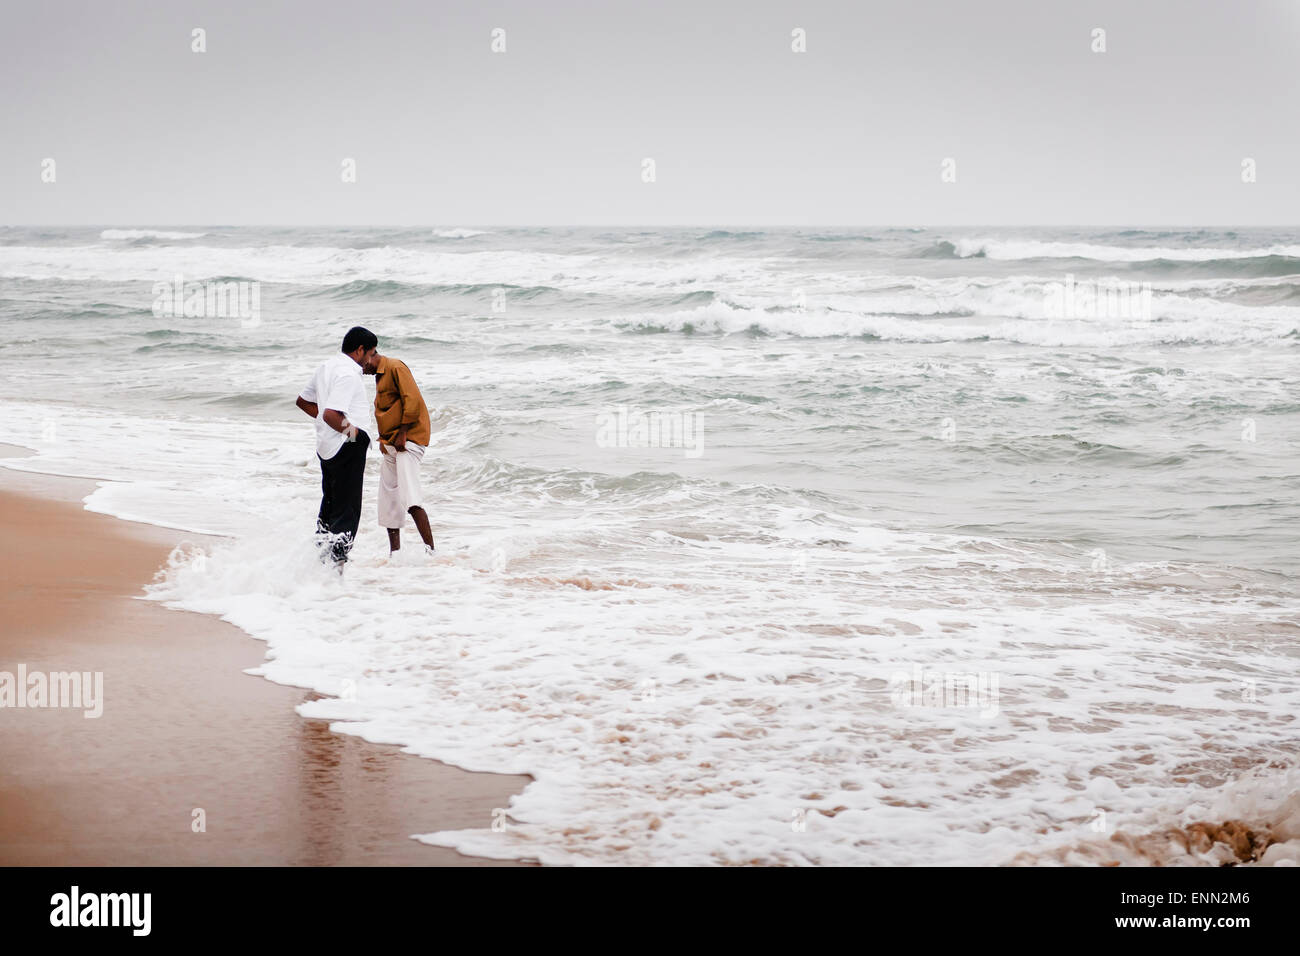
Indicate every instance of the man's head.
{"type": "Point", "coordinates": [361, 346]}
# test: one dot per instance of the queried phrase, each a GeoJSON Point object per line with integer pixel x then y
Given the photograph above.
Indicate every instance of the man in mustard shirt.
{"type": "Point", "coordinates": [404, 431]}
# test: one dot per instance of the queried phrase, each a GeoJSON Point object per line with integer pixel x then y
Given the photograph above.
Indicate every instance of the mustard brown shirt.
{"type": "Point", "coordinates": [398, 402]}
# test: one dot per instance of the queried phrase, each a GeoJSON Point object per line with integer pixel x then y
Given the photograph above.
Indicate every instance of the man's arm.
{"type": "Point", "coordinates": [350, 393]}
{"type": "Point", "coordinates": [311, 408]}
{"type": "Point", "coordinates": [339, 422]}
{"type": "Point", "coordinates": [409, 394]}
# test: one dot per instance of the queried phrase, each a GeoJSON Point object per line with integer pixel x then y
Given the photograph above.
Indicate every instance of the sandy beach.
{"type": "Point", "coordinates": [182, 728]}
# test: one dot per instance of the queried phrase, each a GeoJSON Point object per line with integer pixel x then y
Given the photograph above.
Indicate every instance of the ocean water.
{"type": "Point", "coordinates": [961, 567]}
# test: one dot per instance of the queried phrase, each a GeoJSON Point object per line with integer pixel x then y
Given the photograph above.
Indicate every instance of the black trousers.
{"type": "Point", "coordinates": [340, 503]}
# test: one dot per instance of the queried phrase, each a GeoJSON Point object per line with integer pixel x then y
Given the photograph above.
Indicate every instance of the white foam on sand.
{"type": "Point", "coordinates": [1253, 821]}
{"type": "Point", "coordinates": [698, 701]}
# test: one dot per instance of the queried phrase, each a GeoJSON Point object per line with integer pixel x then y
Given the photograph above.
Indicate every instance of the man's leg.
{"type": "Point", "coordinates": [341, 510]}
{"type": "Point", "coordinates": [326, 514]}
{"type": "Point", "coordinates": [388, 501]}
{"type": "Point", "coordinates": [407, 468]}
{"type": "Point", "coordinates": [421, 523]}
{"type": "Point", "coordinates": [351, 477]}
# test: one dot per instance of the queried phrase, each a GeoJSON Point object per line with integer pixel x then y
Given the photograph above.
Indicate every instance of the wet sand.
{"type": "Point", "coordinates": [183, 728]}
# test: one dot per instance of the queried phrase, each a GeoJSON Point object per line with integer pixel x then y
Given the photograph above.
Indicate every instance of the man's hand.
{"type": "Point", "coordinates": [400, 441]}
{"type": "Point", "coordinates": [336, 420]}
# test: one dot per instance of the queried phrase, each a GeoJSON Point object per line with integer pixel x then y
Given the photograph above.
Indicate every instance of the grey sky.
{"type": "Point", "coordinates": [742, 130]}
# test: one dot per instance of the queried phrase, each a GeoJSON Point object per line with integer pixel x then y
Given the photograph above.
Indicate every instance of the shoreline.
{"type": "Point", "coordinates": [184, 734]}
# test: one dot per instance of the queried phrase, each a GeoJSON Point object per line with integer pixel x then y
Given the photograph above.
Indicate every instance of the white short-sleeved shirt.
{"type": "Point", "coordinates": [337, 385]}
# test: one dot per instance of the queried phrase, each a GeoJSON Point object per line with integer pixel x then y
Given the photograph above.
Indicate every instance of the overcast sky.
{"type": "Point", "coordinates": [742, 130]}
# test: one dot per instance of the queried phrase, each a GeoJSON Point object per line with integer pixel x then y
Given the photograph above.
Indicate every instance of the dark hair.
{"type": "Point", "coordinates": [358, 337]}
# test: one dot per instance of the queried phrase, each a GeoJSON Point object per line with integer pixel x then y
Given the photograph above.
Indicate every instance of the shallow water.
{"type": "Point", "coordinates": [950, 572]}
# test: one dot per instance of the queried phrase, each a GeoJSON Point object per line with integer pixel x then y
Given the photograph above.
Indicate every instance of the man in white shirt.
{"type": "Point", "coordinates": [336, 399]}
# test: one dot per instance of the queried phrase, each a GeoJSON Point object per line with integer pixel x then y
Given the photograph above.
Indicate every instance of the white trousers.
{"type": "Point", "coordinates": [399, 484]}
